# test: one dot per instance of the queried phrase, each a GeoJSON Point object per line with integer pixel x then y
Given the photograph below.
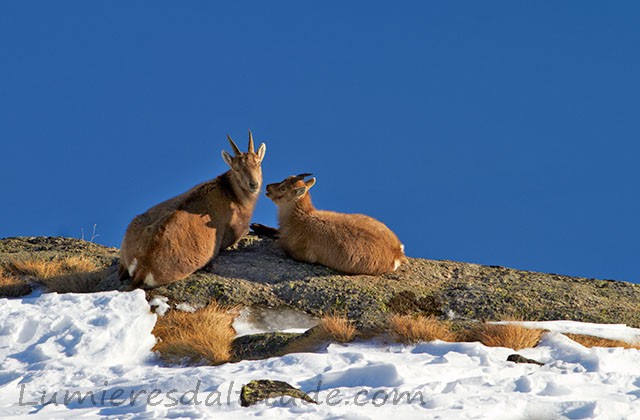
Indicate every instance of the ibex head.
{"type": "Point", "coordinates": [245, 167]}
{"type": "Point", "coordinates": [290, 190]}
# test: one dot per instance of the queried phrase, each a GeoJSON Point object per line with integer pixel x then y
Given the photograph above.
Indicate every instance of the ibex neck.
{"type": "Point", "coordinates": [300, 209]}
{"type": "Point", "coordinates": [239, 194]}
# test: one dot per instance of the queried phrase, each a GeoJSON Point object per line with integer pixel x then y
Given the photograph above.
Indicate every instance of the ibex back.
{"type": "Point", "coordinates": [351, 243]}
{"type": "Point", "coordinates": [177, 237]}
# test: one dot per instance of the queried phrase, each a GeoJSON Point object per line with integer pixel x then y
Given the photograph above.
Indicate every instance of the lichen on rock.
{"type": "Point", "coordinates": [262, 389]}
{"type": "Point", "coordinates": [256, 271]}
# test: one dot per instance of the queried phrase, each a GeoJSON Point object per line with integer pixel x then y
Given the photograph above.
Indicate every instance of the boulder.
{"type": "Point", "coordinates": [262, 389]}
{"type": "Point", "coordinates": [517, 358]}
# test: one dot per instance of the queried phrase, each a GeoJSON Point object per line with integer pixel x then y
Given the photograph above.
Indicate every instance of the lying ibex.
{"type": "Point", "coordinates": [351, 243]}
{"type": "Point", "coordinates": [175, 238]}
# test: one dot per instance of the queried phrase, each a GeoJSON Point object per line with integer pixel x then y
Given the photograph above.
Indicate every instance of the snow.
{"type": "Point", "coordinates": [53, 345]}
{"type": "Point", "coordinates": [160, 304]}
{"type": "Point", "coordinates": [185, 307]}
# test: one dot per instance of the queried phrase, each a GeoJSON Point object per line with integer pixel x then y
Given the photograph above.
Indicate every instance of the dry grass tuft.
{"type": "Point", "coordinates": [40, 269]}
{"type": "Point", "coordinates": [331, 328]}
{"type": "Point", "coordinates": [591, 341]}
{"type": "Point", "coordinates": [77, 282]}
{"type": "Point", "coordinates": [11, 286]}
{"type": "Point", "coordinates": [338, 328]}
{"type": "Point", "coordinates": [204, 335]}
{"type": "Point", "coordinates": [78, 264]}
{"type": "Point", "coordinates": [73, 274]}
{"type": "Point", "coordinates": [46, 269]}
{"type": "Point", "coordinates": [412, 329]}
{"type": "Point", "coordinates": [512, 336]}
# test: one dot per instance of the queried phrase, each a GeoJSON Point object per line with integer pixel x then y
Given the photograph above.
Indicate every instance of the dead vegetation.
{"type": "Point", "coordinates": [12, 286]}
{"type": "Point", "coordinates": [412, 329]}
{"type": "Point", "coordinates": [592, 341]}
{"type": "Point", "coordinates": [338, 328]}
{"type": "Point", "coordinates": [70, 274]}
{"type": "Point", "coordinates": [86, 282]}
{"type": "Point", "coordinates": [202, 336]}
{"type": "Point", "coordinates": [43, 269]}
{"type": "Point", "coordinates": [513, 336]}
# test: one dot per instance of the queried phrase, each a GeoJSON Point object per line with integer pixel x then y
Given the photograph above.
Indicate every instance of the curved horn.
{"type": "Point", "coordinates": [250, 142]}
{"type": "Point", "coordinates": [235, 148]}
{"type": "Point", "coordinates": [301, 176]}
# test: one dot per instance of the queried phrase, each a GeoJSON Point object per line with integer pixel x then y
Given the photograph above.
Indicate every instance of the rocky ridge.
{"type": "Point", "coordinates": [257, 272]}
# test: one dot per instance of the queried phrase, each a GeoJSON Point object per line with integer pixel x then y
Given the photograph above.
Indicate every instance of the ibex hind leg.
{"type": "Point", "coordinates": [143, 279]}
{"type": "Point", "coordinates": [123, 273]}
{"type": "Point", "coordinates": [137, 281]}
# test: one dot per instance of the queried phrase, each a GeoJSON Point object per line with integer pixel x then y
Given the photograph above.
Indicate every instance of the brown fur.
{"type": "Point", "coordinates": [351, 243]}
{"type": "Point", "coordinates": [177, 237]}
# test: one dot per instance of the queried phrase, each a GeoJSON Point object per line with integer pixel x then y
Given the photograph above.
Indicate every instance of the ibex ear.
{"type": "Point", "coordinates": [310, 183]}
{"type": "Point", "coordinates": [227, 158]}
{"type": "Point", "coordinates": [261, 151]}
{"type": "Point", "coordinates": [300, 191]}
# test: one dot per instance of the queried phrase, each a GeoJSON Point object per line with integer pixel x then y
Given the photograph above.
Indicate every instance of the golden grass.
{"type": "Point", "coordinates": [331, 328]}
{"type": "Point", "coordinates": [11, 286]}
{"type": "Point", "coordinates": [77, 282]}
{"type": "Point", "coordinates": [591, 341]}
{"type": "Point", "coordinates": [78, 264]}
{"type": "Point", "coordinates": [204, 335]}
{"type": "Point", "coordinates": [45, 269]}
{"type": "Point", "coordinates": [412, 329]}
{"type": "Point", "coordinates": [512, 336]}
{"type": "Point", "coordinates": [338, 328]}
{"type": "Point", "coordinates": [72, 274]}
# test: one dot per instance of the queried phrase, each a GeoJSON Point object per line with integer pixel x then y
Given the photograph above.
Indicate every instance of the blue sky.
{"type": "Point", "coordinates": [502, 133]}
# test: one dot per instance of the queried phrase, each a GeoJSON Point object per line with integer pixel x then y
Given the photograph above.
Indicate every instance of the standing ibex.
{"type": "Point", "coordinates": [351, 243]}
{"type": "Point", "coordinates": [175, 238]}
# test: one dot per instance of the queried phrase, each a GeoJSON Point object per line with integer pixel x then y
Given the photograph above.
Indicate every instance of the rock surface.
{"type": "Point", "coordinates": [261, 346]}
{"type": "Point", "coordinates": [517, 358]}
{"type": "Point", "coordinates": [50, 247]}
{"type": "Point", "coordinates": [265, 345]}
{"type": "Point", "coordinates": [256, 271]}
{"type": "Point", "coordinates": [256, 391]}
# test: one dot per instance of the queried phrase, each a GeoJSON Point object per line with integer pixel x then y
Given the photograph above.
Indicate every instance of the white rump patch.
{"type": "Point", "coordinates": [402, 248]}
{"type": "Point", "coordinates": [396, 264]}
{"type": "Point", "coordinates": [132, 267]}
{"type": "Point", "coordinates": [150, 281]}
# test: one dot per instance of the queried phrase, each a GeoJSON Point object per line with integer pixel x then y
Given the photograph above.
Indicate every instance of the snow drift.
{"type": "Point", "coordinates": [71, 355]}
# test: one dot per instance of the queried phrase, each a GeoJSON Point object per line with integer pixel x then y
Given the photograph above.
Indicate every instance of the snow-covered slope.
{"type": "Point", "coordinates": [99, 347]}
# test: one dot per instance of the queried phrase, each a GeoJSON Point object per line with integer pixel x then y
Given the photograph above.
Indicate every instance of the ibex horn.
{"type": "Point", "coordinates": [250, 142]}
{"type": "Point", "coordinates": [235, 148]}
{"type": "Point", "coordinates": [302, 176]}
